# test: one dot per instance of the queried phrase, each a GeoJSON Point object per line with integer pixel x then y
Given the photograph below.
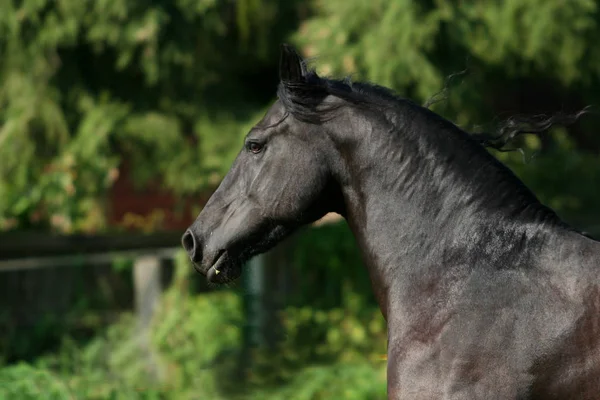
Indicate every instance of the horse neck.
{"type": "Point", "coordinates": [420, 196]}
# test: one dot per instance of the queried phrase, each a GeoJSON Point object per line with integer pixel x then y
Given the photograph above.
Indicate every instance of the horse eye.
{"type": "Point", "coordinates": [254, 147]}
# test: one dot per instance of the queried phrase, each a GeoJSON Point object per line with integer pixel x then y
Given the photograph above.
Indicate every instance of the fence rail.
{"type": "Point", "coordinates": [28, 263]}
{"type": "Point", "coordinates": [33, 251]}
{"type": "Point", "coordinates": [34, 244]}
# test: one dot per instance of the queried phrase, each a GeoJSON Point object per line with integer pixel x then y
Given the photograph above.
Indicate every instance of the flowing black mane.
{"type": "Point", "coordinates": [495, 185]}
{"type": "Point", "coordinates": [305, 100]}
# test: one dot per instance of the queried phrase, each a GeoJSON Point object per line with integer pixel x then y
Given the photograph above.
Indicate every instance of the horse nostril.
{"type": "Point", "coordinates": [189, 244]}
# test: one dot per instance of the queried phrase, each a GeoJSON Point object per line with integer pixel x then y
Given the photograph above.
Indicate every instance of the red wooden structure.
{"type": "Point", "coordinates": [154, 206]}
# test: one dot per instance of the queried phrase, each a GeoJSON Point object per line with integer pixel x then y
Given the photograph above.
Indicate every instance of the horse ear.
{"type": "Point", "coordinates": [291, 65]}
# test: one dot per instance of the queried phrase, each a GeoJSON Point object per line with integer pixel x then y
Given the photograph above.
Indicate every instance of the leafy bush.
{"type": "Point", "coordinates": [327, 258]}
{"type": "Point", "coordinates": [167, 87]}
{"type": "Point", "coordinates": [197, 346]}
{"type": "Point", "coordinates": [24, 382]}
{"type": "Point", "coordinates": [322, 353]}
{"type": "Point", "coordinates": [352, 381]}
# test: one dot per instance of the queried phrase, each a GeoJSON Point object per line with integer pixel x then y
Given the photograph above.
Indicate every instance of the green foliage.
{"type": "Point", "coordinates": [197, 343]}
{"type": "Point", "coordinates": [352, 381]}
{"type": "Point", "coordinates": [85, 86]}
{"type": "Point", "coordinates": [531, 37]}
{"type": "Point", "coordinates": [26, 382]}
{"type": "Point", "coordinates": [34, 321]}
{"type": "Point", "coordinates": [413, 45]}
{"type": "Point", "coordinates": [383, 41]}
{"type": "Point", "coordinates": [327, 341]}
{"type": "Point", "coordinates": [112, 365]}
{"type": "Point", "coordinates": [327, 260]}
{"type": "Point", "coordinates": [199, 339]}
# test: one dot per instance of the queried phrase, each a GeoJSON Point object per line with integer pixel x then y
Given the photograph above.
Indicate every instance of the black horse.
{"type": "Point", "coordinates": [487, 294]}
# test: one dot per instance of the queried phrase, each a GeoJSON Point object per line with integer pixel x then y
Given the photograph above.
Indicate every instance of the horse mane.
{"type": "Point", "coordinates": [519, 125]}
{"type": "Point", "coordinates": [308, 102]}
{"type": "Point", "coordinates": [512, 127]}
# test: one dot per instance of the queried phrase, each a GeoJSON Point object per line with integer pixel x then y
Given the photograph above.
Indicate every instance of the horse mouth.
{"type": "Point", "coordinates": [223, 270]}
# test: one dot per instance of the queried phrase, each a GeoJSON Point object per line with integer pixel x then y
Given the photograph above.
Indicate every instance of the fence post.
{"type": "Point", "coordinates": [278, 270]}
{"type": "Point", "coordinates": [254, 285]}
{"type": "Point", "coordinates": [264, 290]}
{"type": "Point", "coordinates": [147, 287]}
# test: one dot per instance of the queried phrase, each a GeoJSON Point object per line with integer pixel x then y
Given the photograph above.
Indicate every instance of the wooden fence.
{"type": "Point", "coordinates": [31, 256]}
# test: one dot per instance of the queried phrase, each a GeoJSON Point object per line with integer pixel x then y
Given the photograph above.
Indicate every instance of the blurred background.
{"type": "Point", "coordinates": [118, 118]}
